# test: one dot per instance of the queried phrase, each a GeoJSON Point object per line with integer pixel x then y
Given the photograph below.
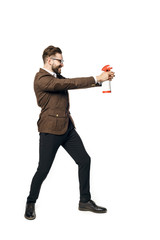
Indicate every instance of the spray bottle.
{"type": "Point", "coordinates": [107, 86]}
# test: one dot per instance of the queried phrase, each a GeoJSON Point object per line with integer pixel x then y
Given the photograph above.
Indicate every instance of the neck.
{"type": "Point", "coordinates": [48, 67]}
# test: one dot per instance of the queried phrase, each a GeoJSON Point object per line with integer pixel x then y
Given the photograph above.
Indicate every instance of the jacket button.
{"type": "Point", "coordinates": [56, 115]}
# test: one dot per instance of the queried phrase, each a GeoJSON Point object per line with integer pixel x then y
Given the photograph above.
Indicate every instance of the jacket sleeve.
{"type": "Point", "coordinates": [51, 84]}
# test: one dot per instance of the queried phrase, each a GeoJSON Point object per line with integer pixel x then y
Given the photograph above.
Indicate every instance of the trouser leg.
{"type": "Point", "coordinates": [48, 146]}
{"type": "Point", "coordinates": [74, 146]}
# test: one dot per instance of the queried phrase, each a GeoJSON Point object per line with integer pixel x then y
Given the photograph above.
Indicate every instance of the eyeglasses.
{"type": "Point", "coordinates": [60, 60]}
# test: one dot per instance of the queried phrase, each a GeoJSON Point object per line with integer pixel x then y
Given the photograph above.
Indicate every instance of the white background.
{"type": "Point", "coordinates": [121, 130]}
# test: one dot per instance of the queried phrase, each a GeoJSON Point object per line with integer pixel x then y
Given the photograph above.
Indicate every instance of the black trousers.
{"type": "Point", "coordinates": [48, 146]}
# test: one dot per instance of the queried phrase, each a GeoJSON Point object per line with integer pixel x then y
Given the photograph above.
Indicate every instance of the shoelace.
{"type": "Point", "coordinates": [93, 203]}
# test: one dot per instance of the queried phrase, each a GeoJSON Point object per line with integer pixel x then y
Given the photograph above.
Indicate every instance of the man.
{"type": "Point", "coordinates": [56, 127]}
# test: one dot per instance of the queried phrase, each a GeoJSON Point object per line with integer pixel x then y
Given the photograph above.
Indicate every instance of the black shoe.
{"type": "Point", "coordinates": [30, 211]}
{"type": "Point", "coordinates": [91, 206]}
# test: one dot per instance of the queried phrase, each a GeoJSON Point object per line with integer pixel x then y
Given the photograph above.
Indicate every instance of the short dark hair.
{"type": "Point", "coordinates": [50, 50]}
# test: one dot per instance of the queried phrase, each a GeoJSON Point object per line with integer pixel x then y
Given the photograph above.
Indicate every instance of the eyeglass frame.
{"type": "Point", "coordinates": [60, 60]}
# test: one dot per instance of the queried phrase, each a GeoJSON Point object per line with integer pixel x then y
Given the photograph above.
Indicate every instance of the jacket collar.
{"type": "Point", "coordinates": [45, 70]}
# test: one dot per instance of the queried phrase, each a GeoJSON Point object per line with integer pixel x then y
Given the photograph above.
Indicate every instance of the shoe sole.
{"type": "Point", "coordinates": [29, 218]}
{"type": "Point", "coordinates": [84, 209]}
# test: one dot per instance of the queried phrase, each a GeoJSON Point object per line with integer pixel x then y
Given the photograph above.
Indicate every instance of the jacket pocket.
{"type": "Point", "coordinates": [56, 114]}
{"type": "Point", "coordinates": [57, 120]}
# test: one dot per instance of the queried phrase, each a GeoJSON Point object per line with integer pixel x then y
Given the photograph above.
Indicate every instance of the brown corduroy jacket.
{"type": "Point", "coordinates": [52, 96]}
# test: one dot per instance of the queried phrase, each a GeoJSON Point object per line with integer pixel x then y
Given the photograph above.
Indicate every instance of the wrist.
{"type": "Point", "coordinates": [98, 79]}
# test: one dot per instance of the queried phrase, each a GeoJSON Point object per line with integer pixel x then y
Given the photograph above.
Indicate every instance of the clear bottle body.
{"type": "Point", "coordinates": [106, 87]}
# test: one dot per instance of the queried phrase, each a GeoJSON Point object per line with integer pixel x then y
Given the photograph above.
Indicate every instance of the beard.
{"type": "Point", "coordinates": [57, 70]}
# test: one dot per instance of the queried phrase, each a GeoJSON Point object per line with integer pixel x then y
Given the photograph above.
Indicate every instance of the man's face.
{"type": "Point", "coordinates": [56, 64]}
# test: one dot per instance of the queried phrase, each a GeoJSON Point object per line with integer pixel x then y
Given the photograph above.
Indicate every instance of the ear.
{"type": "Point", "coordinates": [49, 60]}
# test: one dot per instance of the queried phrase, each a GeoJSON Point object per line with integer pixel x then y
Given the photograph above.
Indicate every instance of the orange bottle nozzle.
{"type": "Point", "coordinates": [106, 68]}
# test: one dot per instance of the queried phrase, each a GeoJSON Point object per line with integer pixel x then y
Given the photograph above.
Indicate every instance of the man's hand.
{"type": "Point", "coordinates": [105, 76]}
